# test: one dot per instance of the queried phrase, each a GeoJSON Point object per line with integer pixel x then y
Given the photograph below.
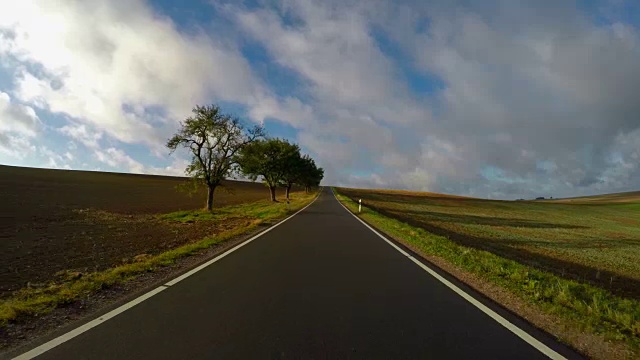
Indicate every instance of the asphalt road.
{"type": "Point", "coordinates": [319, 286]}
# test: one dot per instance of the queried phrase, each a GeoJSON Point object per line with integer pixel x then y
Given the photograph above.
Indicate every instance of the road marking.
{"type": "Point", "coordinates": [495, 316]}
{"type": "Point", "coordinates": [91, 324]}
{"type": "Point", "coordinates": [102, 318]}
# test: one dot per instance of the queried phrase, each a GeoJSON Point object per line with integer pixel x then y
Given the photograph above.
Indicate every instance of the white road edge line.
{"type": "Point", "coordinates": [99, 320]}
{"type": "Point", "coordinates": [495, 316]}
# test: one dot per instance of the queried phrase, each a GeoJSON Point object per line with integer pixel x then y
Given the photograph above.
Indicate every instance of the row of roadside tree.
{"type": "Point", "coordinates": [221, 146]}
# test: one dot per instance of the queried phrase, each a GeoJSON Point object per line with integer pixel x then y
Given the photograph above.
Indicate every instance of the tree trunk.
{"type": "Point", "coordinates": [272, 191]}
{"type": "Point", "coordinates": [288, 190]}
{"type": "Point", "coordinates": [210, 191]}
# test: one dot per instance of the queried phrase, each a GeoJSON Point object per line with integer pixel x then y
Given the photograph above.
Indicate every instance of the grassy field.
{"type": "Point", "coordinates": [625, 197]}
{"type": "Point", "coordinates": [593, 320]}
{"type": "Point", "coordinates": [55, 221]}
{"type": "Point", "coordinates": [594, 240]}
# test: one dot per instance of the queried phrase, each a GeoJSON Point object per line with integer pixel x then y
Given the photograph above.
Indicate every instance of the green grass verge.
{"type": "Point", "coordinates": [591, 309]}
{"type": "Point", "coordinates": [29, 302]}
{"type": "Point", "coordinates": [263, 209]}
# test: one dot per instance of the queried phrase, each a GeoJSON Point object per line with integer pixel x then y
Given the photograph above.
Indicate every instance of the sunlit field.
{"type": "Point", "coordinates": [594, 239]}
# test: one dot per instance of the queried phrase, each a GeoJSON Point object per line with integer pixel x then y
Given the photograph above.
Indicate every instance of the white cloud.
{"type": "Point", "coordinates": [81, 133]}
{"type": "Point", "coordinates": [117, 158]}
{"type": "Point", "coordinates": [290, 110]}
{"type": "Point", "coordinates": [333, 50]}
{"type": "Point", "coordinates": [19, 124]}
{"type": "Point", "coordinates": [16, 146]}
{"type": "Point", "coordinates": [326, 50]}
{"type": "Point", "coordinates": [176, 168]}
{"type": "Point", "coordinates": [53, 159]}
{"type": "Point", "coordinates": [16, 118]}
{"type": "Point", "coordinates": [121, 161]}
{"type": "Point", "coordinates": [109, 65]}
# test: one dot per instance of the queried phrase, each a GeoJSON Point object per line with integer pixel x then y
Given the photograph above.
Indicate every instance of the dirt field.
{"type": "Point", "coordinates": [53, 220]}
{"type": "Point", "coordinates": [596, 241]}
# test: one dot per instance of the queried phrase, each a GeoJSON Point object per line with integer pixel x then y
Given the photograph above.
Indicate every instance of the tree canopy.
{"type": "Point", "coordinates": [294, 168]}
{"type": "Point", "coordinates": [214, 140]}
{"type": "Point", "coordinates": [310, 175]}
{"type": "Point", "coordinates": [220, 145]}
{"type": "Point", "coordinates": [269, 159]}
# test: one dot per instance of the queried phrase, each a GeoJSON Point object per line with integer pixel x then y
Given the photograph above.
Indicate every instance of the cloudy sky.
{"type": "Point", "coordinates": [494, 99]}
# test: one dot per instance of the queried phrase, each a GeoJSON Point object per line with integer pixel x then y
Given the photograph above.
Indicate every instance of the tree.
{"type": "Point", "coordinates": [268, 159]}
{"type": "Point", "coordinates": [311, 175]}
{"type": "Point", "coordinates": [318, 175]}
{"type": "Point", "coordinates": [293, 171]}
{"type": "Point", "coordinates": [214, 140]}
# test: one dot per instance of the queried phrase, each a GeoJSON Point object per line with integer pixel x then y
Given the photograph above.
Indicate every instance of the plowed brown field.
{"type": "Point", "coordinates": [54, 220]}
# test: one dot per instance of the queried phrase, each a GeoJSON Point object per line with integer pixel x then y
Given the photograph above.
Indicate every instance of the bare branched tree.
{"type": "Point", "coordinates": [214, 140]}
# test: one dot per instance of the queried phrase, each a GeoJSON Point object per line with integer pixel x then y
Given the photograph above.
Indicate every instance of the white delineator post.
{"type": "Point", "coordinates": [360, 205]}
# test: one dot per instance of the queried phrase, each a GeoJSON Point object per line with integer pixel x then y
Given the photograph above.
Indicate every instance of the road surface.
{"type": "Point", "coordinates": [319, 286]}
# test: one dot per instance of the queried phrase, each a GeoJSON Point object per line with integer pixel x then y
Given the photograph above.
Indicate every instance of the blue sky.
{"type": "Point", "coordinates": [495, 99]}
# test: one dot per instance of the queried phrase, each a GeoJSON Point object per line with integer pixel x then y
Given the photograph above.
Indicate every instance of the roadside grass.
{"type": "Point", "coordinates": [30, 302]}
{"type": "Point", "coordinates": [588, 308]}
{"type": "Point", "coordinates": [263, 209]}
{"type": "Point", "coordinates": [188, 216]}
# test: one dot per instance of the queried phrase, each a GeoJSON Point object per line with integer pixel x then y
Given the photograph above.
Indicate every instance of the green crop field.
{"type": "Point", "coordinates": [592, 239]}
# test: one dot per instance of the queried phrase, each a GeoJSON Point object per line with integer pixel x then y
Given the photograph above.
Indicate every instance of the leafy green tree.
{"type": "Point", "coordinates": [318, 175]}
{"type": "Point", "coordinates": [294, 171]}
{"type": "Point", "coordinates": [269, 159]}
{"type": "Point", "coordinates": [214, 140]}
{"type": "Point", "coordinates": [310, 175]}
